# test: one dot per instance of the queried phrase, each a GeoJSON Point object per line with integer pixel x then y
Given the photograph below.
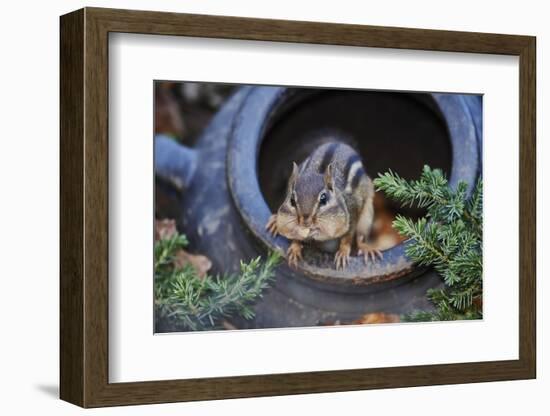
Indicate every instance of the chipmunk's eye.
{"type": "Point", "coordinates": [292, 201]}
{"type": "Point", "coordinates": [323, 198]}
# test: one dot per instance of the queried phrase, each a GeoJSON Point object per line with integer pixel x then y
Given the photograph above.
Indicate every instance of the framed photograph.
{"type": "Point", "coordinates": [257, 207]}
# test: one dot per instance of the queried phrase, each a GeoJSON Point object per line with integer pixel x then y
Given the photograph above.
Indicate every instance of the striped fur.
{"type": "Point", "coordinates": [335, 171]}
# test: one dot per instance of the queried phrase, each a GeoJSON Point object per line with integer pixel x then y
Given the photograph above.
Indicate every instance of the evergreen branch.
{"type": "Point", "coordinates": [449, 239]}
{"type": "Point", "coordinates": [190, 302]}
{"type": "Point", "coordinates": [424, 192]}
{"type": "Point", "coordinates": [165, 250]}
{"type": "Point", "coordinates": [432, 192]}
{"type": "Point", "coordinates": [475, 207]}
{"type": "Point", "coordinates": [425, 251]}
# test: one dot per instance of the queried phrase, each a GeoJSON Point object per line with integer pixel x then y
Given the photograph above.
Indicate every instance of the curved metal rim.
{"type": "Point", "coordinates": [242, 167]}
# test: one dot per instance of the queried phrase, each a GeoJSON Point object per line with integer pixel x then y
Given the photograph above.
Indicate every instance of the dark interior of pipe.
{"type": "Point", "coordinates": [397, 131]}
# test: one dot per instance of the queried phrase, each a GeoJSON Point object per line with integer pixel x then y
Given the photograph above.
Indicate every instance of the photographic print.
{"type": "Point", "coordinates": [281, 207]}
{"type": "Point", "coordinates": [304, 207]}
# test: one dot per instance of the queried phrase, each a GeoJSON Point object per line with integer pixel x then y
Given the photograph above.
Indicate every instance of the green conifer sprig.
{"type": "Point", "coordinates": [190, 302]}
{"type": "Point", "coordinates": [449, 238]}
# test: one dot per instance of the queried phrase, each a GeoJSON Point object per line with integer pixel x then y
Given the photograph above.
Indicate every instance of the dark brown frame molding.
{"type": "Point", "coordinates": [84, 208]}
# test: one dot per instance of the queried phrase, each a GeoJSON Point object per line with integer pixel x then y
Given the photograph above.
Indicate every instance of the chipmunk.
{"type": "Point", "coordinates": [329, 196]}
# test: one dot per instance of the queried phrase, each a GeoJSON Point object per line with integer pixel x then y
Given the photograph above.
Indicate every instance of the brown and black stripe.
{"type": "Point", "coordinates": [328, 156]}
{"type": "Point", "coordinates": [348, 168]}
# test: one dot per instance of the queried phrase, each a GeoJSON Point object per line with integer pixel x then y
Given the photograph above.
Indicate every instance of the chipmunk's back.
{"type": "Point", "coordinates": [346, 164]}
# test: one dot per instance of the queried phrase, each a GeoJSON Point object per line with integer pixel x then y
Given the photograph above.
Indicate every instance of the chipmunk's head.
{"type": "Point", "coordinates": [313, 208]}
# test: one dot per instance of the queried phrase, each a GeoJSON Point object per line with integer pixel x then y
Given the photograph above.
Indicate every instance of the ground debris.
{"type": "Point", "coordinates": [165, 229]}
{"type": "Point", "coordinates": [377, 318]}
{"type": "Point", "coordinates": [201, 263]}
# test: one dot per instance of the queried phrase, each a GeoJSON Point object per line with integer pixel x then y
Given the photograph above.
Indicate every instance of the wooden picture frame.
{"type": "Point", "coordinates": [84, 207]}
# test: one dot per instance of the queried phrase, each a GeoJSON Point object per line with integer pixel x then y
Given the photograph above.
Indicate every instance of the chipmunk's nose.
{"type": "Point", "coordinates": [308, 221]}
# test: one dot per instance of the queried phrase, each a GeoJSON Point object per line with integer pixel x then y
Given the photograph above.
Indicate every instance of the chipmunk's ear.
{"type": "Point", "coordinates": [293, 177]}
{"type": "Point", "coordinates": [329, 179]}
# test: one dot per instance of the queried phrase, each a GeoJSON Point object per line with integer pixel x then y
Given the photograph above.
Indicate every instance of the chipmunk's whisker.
{"type": "Point", "coordinates": [289, 222]}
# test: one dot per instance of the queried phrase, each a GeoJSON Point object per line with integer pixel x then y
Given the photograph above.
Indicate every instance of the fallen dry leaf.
{"type": "Point", "coordinates": [478, 303]}
{"type": "Point", "coordinates": [377, 318]}
{"type": "Point", "coordinates": [331, 323]}
{"type": "Point", "coordinates": [164, 229]}
{"type": "Point", "coordinates": [228, 325]}
{"type": "Point", "coordinates": [200, 263]}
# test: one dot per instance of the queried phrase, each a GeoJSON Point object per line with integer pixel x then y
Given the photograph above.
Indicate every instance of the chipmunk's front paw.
{"type": "Point", "coordinates": [342, 256]}
{"type": "Point", "coordinates": [294, 253]}
{"type": "Point", "coordinates": [368, 250]}
{"type": "Point", "coordinates": [271, 225]}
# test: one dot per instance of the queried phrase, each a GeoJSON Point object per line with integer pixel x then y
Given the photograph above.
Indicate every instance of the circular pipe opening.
{"type": "Point", "coordinates": [398, 131]}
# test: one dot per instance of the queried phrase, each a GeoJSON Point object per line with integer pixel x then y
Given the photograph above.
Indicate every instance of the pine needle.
{"type": "Point", "coordinates": [192, 303]}
{"type": "Point", "coordinates": [448, 238]}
